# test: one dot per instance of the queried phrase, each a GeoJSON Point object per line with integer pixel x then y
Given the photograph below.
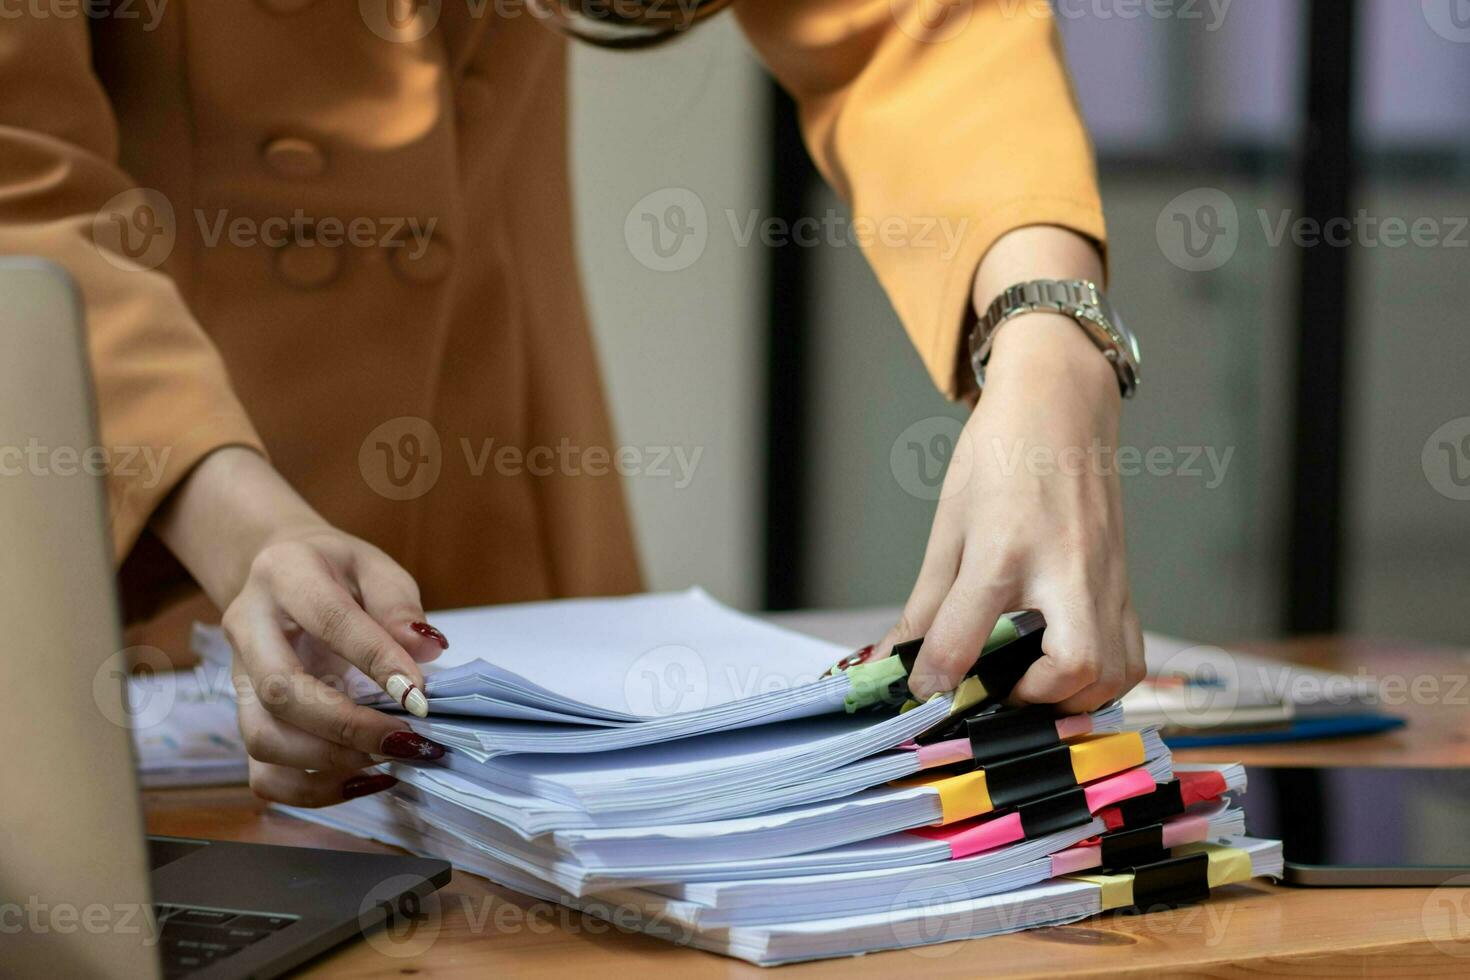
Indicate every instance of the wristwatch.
{"type": "Point", "coordinates": [1079, 299]}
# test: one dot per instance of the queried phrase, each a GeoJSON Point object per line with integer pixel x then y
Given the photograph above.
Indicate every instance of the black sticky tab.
{"type": "Point", "coordinates": [955, 726]}
{"type": "Point", "coordinates": [1173, 881]}
{"type": "Point", "coordinates": [907, 652]}
{"type": "Point", "coordinates": [1126, 848]}
{"type": "Point", "coordinates": [1000, 670]}
{"type": "Point", "coordinates": [1055, 812]}
{"type": "Point", "coordinates": [1028, 776]}
{"type": "Point", "coordinates": [1165, 801]}
{"type": "Point", "coordinates": [1012, 732]}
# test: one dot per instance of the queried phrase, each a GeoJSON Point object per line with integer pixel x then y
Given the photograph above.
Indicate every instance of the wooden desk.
{"type": "Point", "coordinates": [480, 929]}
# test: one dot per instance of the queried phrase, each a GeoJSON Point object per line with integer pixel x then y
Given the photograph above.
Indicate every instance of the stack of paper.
{"type": "Point", "coordinates": [184, 730]}
{"type": "Point", "coordinates": [1204, 695]}
{"type": "Point", "coordinates": [702, 780]}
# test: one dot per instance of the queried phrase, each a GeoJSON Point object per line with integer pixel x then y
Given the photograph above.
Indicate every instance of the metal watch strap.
{"type": "Point", "coordinates": [1069, 297]}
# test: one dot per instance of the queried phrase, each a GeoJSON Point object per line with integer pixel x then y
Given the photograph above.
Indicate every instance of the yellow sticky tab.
{"type": "Point", "coordinates": [1097, 756]}
{"type": "Point", "coordinates": [1116, 890]}
{"type": "Point", "coordinates": [1228, 865]}
{"type": "Point", "coordinates": [1224, 866]}
{"type": "Point", "coordinates": [963, 796]}
{"type": "Point", "coordinates": [970, 693]}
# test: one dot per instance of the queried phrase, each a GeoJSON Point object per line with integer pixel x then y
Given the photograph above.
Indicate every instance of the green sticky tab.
{"type": "Point", "coordinates": [1005, 632]}
{"type": "Point", "coordinates": [870, 682]}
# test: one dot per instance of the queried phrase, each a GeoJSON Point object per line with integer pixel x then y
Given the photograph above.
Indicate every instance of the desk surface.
{"type": "Point", "coordinates": [480, 929]}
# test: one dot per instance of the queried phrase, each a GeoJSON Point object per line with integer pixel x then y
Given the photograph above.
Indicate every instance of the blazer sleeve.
{"type": "Point", "coordinates": [943, 126]}
{"type": "Point", "coordinates": [163, 398]}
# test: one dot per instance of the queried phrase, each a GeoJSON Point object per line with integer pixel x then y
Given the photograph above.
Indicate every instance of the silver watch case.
{"type": "Point", "coordinates": [1079, 299]}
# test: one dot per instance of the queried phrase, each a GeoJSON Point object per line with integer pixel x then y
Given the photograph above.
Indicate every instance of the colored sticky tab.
{"type": "Point", "coordinates": [1198, 785]}
{"type": "Point", "coordinates": [970, 693]}
{"type": "Point", "coordinates": [1011, 732]}
{"type": "Point", "coordinates": [1186, 877]}
{"type": "Point", "coordinates": [1028, 776]}
{"type": "Point", "coordinates": [1137, 845]}
{"type": "Point", "coordinates": [1123, 786]}
{"type": "Point", "coordinates": [962, 796]}
{"type": "Point", "coordinates": [968, 837]}
{"type": "Point", "coordinates": [1117, 890]}
{"type": "Point", "coordinates": [1228, 865]}
{"type": "Point", "coordinates": [1005, 632]}
{"type": "Point", "coordinates": [1096, 756]}
{"type": "Point", "coordinates": [1056, 812]}
{"type": "Point", "coordinates": [871, 682]}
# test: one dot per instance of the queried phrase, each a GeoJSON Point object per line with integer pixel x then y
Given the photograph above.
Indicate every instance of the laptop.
{"type": "Point", "coordinates": [83, 891]}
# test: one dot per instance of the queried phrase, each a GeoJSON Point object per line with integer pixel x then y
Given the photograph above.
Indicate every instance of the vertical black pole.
{"type": "Point", "coordinates": [1314, 563]}
{"type": "Point", "coordinates": [788, 311]}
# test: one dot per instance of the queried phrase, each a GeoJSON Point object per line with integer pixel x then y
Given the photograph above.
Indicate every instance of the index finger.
{"type": "Point", "coordinates": [326, 610]}
{"type": "Point", "coordinates": [285, 689]}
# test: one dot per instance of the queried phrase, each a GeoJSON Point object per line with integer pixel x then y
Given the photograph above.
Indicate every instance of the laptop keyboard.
{"type": "Point", "coordinates": [193, 939]}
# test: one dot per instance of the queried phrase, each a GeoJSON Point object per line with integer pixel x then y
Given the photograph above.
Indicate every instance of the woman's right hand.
{"type": "Point", "coordinates": [306, 607]}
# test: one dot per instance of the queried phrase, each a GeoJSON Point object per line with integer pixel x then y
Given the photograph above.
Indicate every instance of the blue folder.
{"type": "Point", "coordinates": [1298, 730]}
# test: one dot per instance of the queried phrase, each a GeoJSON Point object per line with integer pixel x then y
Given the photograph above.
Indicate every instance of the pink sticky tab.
{"type": "Point", "coordinates": [1114, 789]}
{"type": "Point", "coordinates": [973, 836]}
{"type": "Point", "coordinates": [1073, 726]}
{"type": "Point", "coordinates": [1186, 829]}
{"type": "Point", "coordinates": [945, 753]}
{"type": "Point", "coordinates": [1075, 859]}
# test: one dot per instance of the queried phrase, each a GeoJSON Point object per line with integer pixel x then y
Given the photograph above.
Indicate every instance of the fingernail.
{"type": "Point", "coordinates": [408, 695]}
{"type": "Point", "coordinates": [424, 629]}
{"type": "Point", "coordinates": [852, 660]}
{"type": "Point", "coordinates": [366, 785]}
{"type": "Point", "coordinates": [410, 745]}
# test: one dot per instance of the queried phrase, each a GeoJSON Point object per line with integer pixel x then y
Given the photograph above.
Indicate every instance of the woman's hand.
{"type": "Point", "coordinates": [1030, 515]}
{"type": "Point", "coordinates": [306, 608]}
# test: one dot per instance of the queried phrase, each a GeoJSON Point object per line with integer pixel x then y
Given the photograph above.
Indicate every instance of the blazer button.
{"type": "Point", "coordinates": [307, 265]}
{"type": "Point", "coordinates": [296, 158]}
{"type": "Point", "coordinates": [285, 6]}
{"type": "Point", "coordinates": [421, 261]}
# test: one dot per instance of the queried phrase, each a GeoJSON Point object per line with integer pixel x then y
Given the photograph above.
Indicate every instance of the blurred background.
{"type": "Point", "coordinates": [1305, 402]}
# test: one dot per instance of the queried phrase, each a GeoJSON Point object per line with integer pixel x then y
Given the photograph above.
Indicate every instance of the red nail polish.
{"type": "Point", "coordinates": [366, 785]}
{"type": "Point", "coordinates": [424, 629]}
{"type": "Point", "coordinates": [852, 660]}
{"type": "Point", "coordinates": [410, 745]}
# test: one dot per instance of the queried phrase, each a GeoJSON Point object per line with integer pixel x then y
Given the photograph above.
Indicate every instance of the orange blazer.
{"type": "Point", "coordinates": [403, 282]}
